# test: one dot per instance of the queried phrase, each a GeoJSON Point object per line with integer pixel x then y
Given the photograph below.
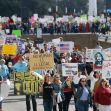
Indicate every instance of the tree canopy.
{"type": "Point", "coordinates": [28, 7]}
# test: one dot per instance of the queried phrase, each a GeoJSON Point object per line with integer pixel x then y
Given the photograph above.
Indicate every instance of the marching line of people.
{"type": "Point", "coordinates": [88, 88]}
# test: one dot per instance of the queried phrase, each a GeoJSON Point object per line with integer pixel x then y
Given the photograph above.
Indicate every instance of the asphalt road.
{"type": "Point", "coordinates": [17, 103]}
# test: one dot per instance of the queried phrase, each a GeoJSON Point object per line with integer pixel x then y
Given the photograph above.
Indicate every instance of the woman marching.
{"type": "Point", "coordinates": [58, 93]}
{"type": "Point", "coordinates": [102, 96]}
{"type": "Point", "coordinates": [68, 92]}
{"type": "Point", "coordinates": [83, 95]}
{"type": "Point", "coordinates": [48, 92]}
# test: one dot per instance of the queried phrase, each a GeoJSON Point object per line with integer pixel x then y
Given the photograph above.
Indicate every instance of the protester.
{"type": "Point", "coordinates": [83, 96]}
{"type": "Point", "coordinates": [3, 75]}
{"type": "Point", "coordinates": [102, 96]}
{"type": "Point", "coordinates": [22, 66]}
{"type": "Point", "coordinates": [68, 92]}
{"type": "Point", "coordinates": [58, 93]}
{"type": "Point", "coordinates": [48, 93]}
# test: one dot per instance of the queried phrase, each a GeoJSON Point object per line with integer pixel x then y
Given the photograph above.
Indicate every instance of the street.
{"type": "Point", "coordinates": [17, 103]}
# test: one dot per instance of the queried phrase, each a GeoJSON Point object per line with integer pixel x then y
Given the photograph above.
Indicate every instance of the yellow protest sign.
{"type": "Point", "coordinates": [9, 49]}
{"type": "Point", "coordinates": [26, 83]}
{"type": "Point", "coordinates": [41, 61]}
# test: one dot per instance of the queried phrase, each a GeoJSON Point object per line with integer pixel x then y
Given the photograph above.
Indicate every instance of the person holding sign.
{"type": "Point", "coordinates": [83, 95]}
{"type": "Point", "coordinates": [22, 66]}
{"type": "Point", "coordinates": [3, 76]}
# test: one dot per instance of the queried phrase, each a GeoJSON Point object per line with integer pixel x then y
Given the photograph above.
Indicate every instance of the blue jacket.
{"type": "Point", "coordinates": [4, 71]}
{"type": "Point", "coordinates": [79, 92]}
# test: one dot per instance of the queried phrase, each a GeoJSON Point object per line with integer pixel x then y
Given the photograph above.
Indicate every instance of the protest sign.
{"type": "Point", "coordinates": [107, 54]}
{"type": "Point", "coordinates": [89, 55]}
{"type": "Point", "coordinates": [17, 33]}
{"type": "Point", "coordinates": [69, 69]}
{"type": "Point", "coordinates": [41, 61]}
{"type": "Point", "coordinates": [65, 47]}
{"type": "Point", "coordinates": [56, 41]}
{"type": "Point", "coordinates": [4, 90]}
{"type": "Point", "coordinates": [11, 39]}
{"type": "Point", "coordinates": [7, 31]}
{"type": "Point", "coordinates": [2, 40]}
{"type": "Point", "coordinates": [10, 49]}
{"type": "Point", "coordinates": [106, 69]}
{"type": "Point", "coordinates": [98, 58]}
{"type": "Point", "coordinates": [26, 83]}
{"type": "Point", "coordinates": [39, 33]}
{"type": "Point", "coordinates": [21, 46]}
{"type": "Point", "coordinates": [35, 17]}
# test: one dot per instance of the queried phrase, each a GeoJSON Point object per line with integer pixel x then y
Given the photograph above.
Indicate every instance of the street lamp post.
{"type": "Point", "coordinates": [106, 9]}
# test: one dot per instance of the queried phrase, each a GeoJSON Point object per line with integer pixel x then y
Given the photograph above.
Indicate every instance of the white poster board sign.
{"type": "Point", "coordinates": [107, 53]}
{"type": "Point", "coordinates": [88, 55]}
{"type": "Point", "coordinates": [69, 69]}
{"type": "Point", "coordinates": [2, 40]}
{"type": "Point", "coordinates": [56, 41]}
{"type": "Point", "coordinates": [4, 90]}
{"type": "Point", "coordinates": [35, 16]}
{"type": "Point", "coordinates": [106, 69]}
{"type": "Point", "coordinates": [65, 47]}
{"type": "Point", "coordinates": [39, 33]}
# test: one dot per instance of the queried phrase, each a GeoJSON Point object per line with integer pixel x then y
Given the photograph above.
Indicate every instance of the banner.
{"type": "Point", "coordinates": [64, 47]}
{"type": "Point", "coordinates": [17, 33]}
{"type": "Point", "coordinates": [9, 49]}
{"type": "Point", "coordinates": [41, 61]}
{"type": "Point", "coordinates": [106, 69]}
{"type": "Point", "coordinates": [69, 69]}
{"type": "Point", "coordinates": [2, 40]}
{"type": "Point", "coordinates": [11, 39]}
{"type": "Point", "coordinates": [26, 83]}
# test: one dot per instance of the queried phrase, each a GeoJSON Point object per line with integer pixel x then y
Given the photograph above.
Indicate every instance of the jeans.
{"type": "Point", "coordinates": [66, 102]}
{"type": "Point", "coordinates": [60, 105]}
{"type": "Point", "coordinates": [82, 105]}
{"type": "Point", "coordinates": [33, 102]}
{"type": "Point", "coordinates": [48, 104]}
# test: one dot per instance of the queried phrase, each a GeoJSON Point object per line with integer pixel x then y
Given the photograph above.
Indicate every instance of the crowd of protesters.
{"type": "Point", "coordinates": [58, 27]}
{"type": "Point", "coordinates": [89, 89]}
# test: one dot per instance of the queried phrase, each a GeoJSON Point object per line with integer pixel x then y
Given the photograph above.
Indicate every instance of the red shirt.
{"type": "Point", "coordinates": [103, 96]}
{"type": "Point", "coordinates": [74, 60]}
{"type": "Point", "coordinates": [16, 58]}
{"type": "Point", "coordinates": [67, 89]}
